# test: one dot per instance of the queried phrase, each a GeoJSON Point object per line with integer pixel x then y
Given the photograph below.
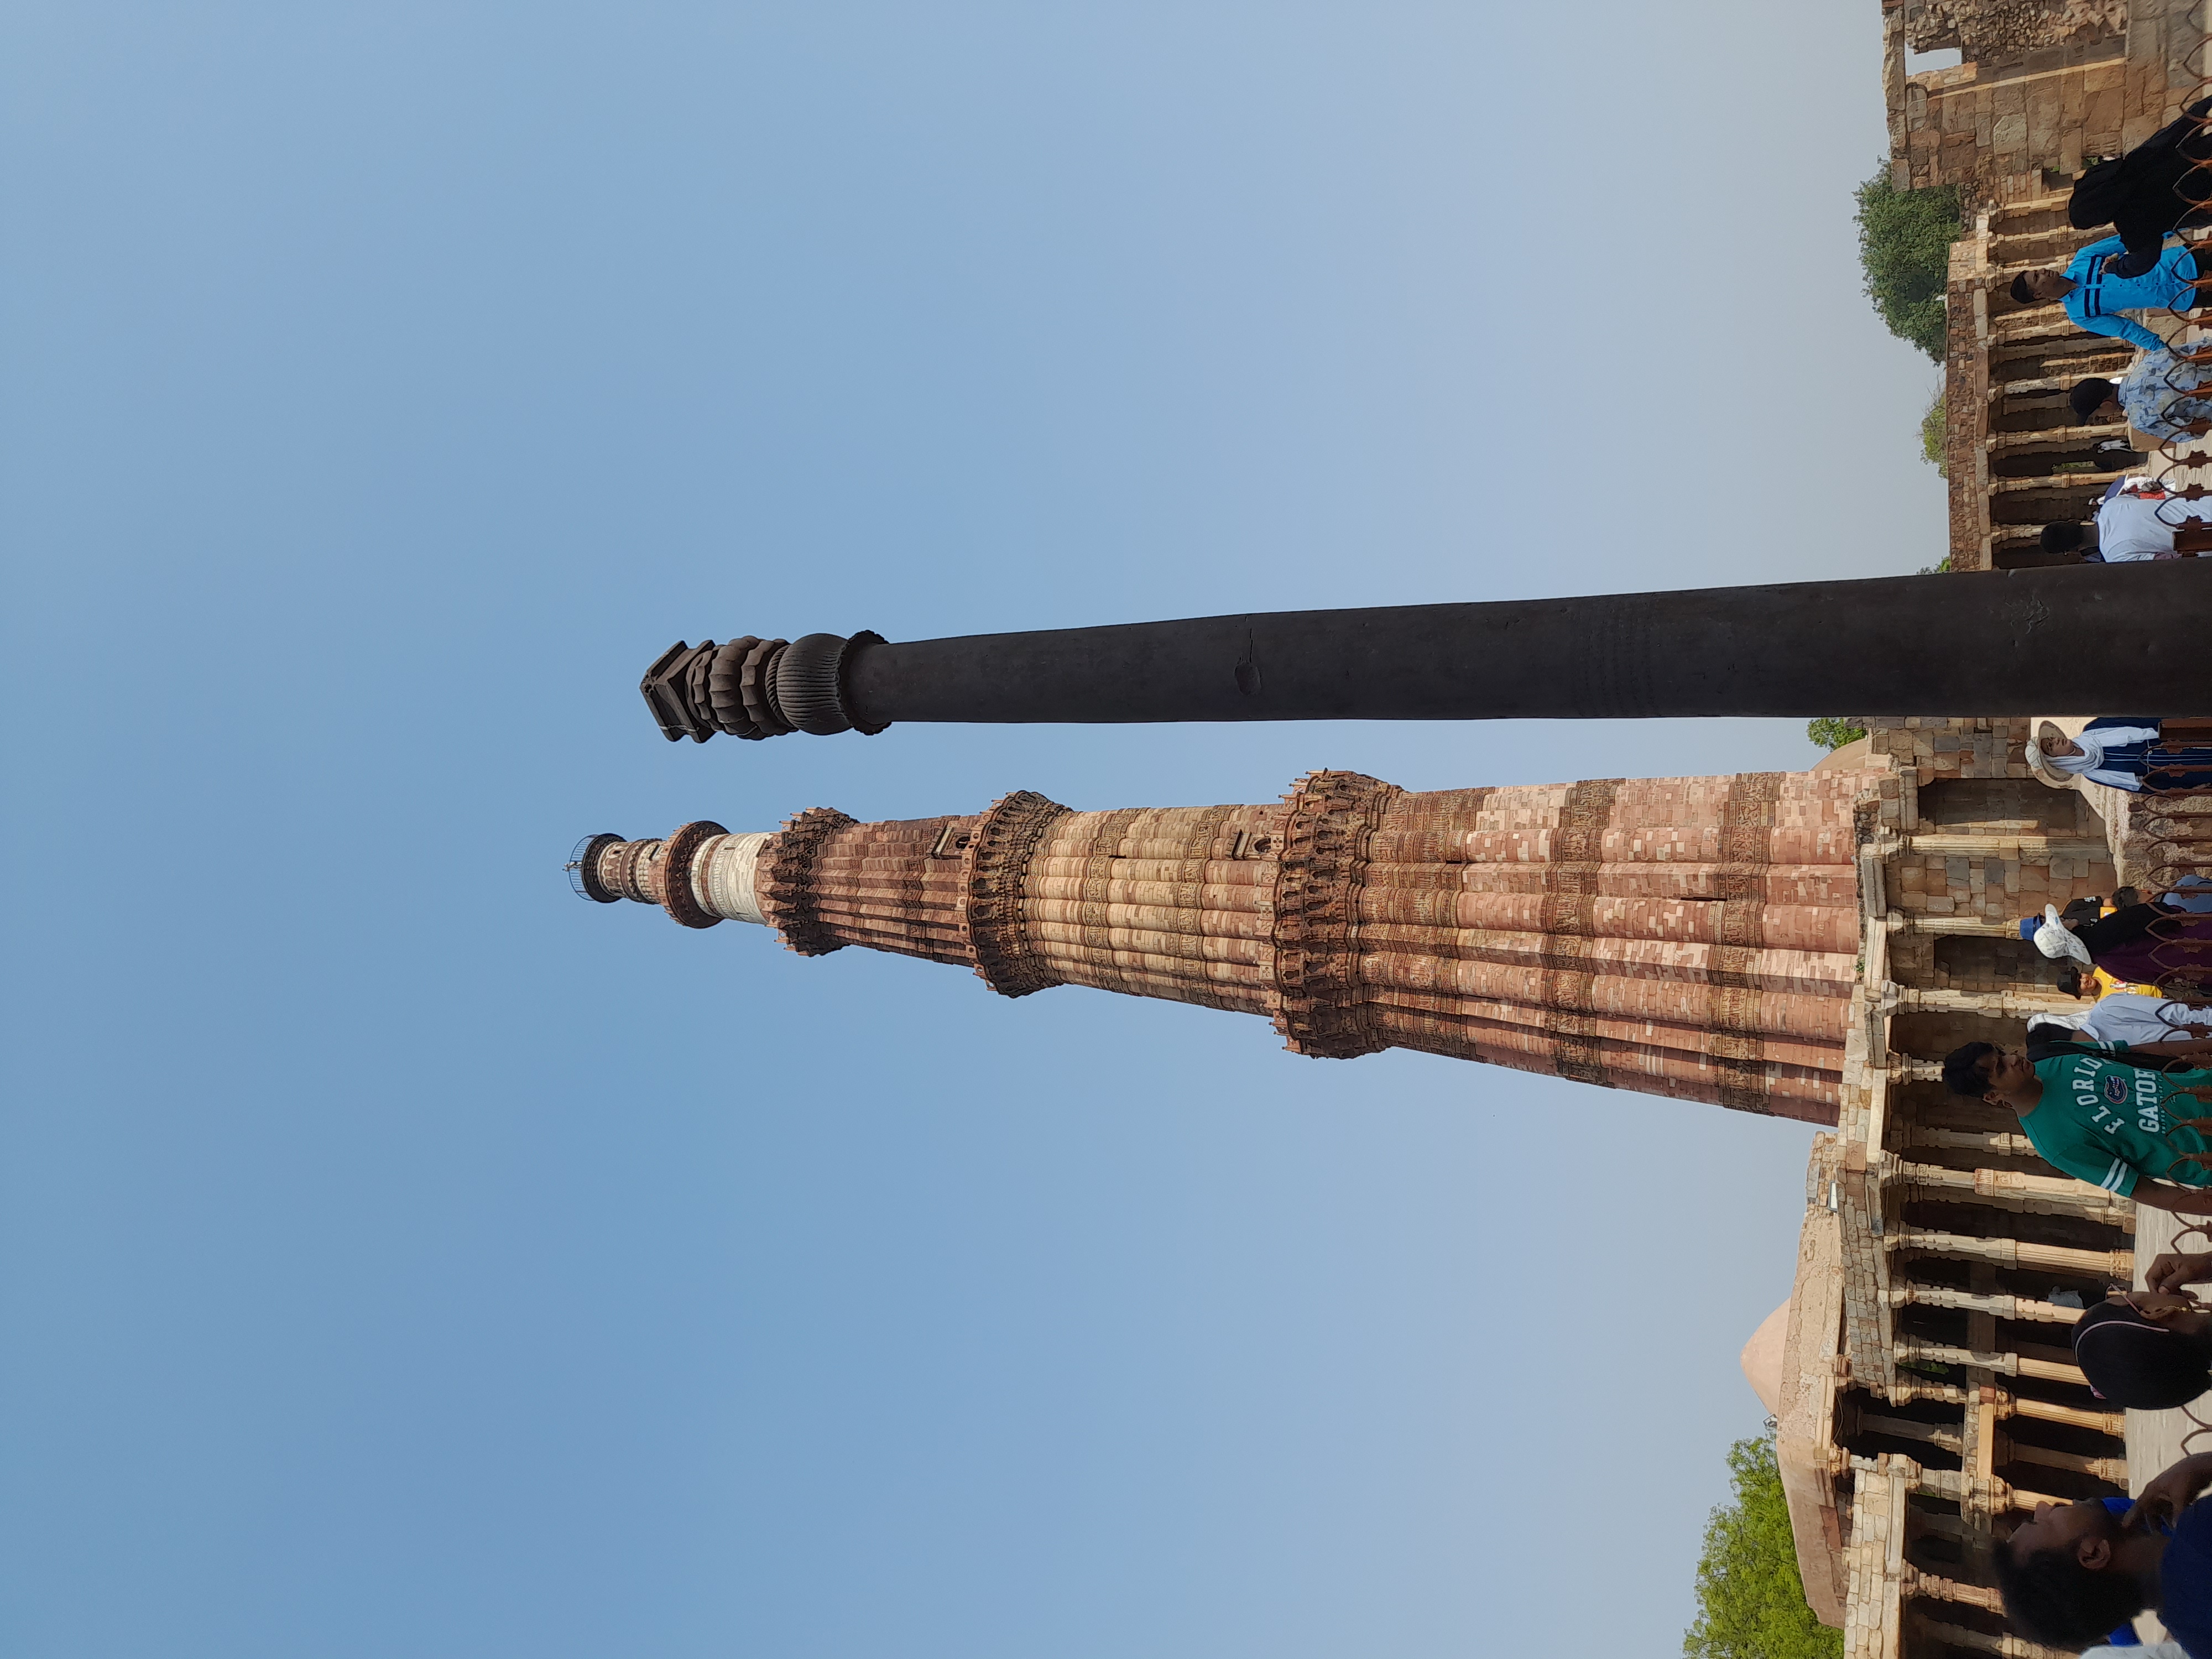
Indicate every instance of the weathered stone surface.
{"type": "Point", "coordinates": [1997, 28]}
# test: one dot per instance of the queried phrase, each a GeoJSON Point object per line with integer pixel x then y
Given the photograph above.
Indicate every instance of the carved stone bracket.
{"type": "Point", "coordinates": [993, 922]}
{"type": "Point", "coordinates": [785, 883]}
{"type": "Point", "coordinates": [1317, 880]}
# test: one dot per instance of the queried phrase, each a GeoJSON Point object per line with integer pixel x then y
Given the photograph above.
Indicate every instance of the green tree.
{"type": "Point", "coordinates": [1905, 249]}
{"type": "Point", "coordinates": [1832, 733]}
{"type": "Point", "coordinates": [1751, 1603]}
{"type": "Point", "coordinates": [1931, 437]}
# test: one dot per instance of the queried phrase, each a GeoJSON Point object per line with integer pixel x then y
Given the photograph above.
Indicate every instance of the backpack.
{"type": "Point", "coordinates": [2097, 195]}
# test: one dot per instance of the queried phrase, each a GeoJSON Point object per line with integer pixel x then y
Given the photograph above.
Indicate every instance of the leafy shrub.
{"type": "Point", "coordinates": [1905, 249]}
{"type": "Point", "coordinates": [1932, 449]}
{"type": "Point", "coordinates": [1751, 1603]}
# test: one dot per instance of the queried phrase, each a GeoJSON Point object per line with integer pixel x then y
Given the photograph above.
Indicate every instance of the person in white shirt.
{"type": "Point", "coordinates": [2129, 1017]}
{"type": "Point", "coordinates": [2135, 521]}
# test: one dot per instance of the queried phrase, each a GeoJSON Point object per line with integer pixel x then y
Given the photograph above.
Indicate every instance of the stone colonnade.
{"type": "Point", "coordinates": [2017, 459]}
{"type": "Point", "coordinates": [1689, 937]}
{"type": "Point", "coordinates": [1931, 1394]}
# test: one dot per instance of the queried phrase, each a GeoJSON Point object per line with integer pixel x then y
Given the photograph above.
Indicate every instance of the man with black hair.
{"type": "Point", "coordinates": [2113, 1117]}
{"type": "Point", "coordinates": [2094, 399]}
{"type": "Point", "coordinates": [2156, 396]}
{"type": "Point", "coordinates": [2146, 1350]}
{"type": "Point", "coordinates": [2095, 294]}
{"type": "Point", "coordinates": [2135, 521]}
{"type": "Point", "coordinates": [2074, 1572]}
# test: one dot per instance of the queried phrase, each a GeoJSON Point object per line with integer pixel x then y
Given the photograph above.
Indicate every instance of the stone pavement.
{"type": "Point", "coordinates": [2154, 1438]}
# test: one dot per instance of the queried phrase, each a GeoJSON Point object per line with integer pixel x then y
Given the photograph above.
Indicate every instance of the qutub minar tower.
{"type": "Point", "coordinates": [1692, 937]}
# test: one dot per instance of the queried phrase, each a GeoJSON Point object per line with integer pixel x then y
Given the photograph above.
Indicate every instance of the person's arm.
{"type": "Point", "coordinates": [2128, 328]}
{"type": "Point", "coordinates": [2174, 1201]}
{"type": "Point", "coordinates": [2171, 1048]}
{"type": "Point", "coordinates": [2143, 248]}
{"type": "Point", "coordinates": [2175, 1268]}
{"type": "Point", "coordinates": [2169, 1492]}
{"type": "Point", "coordinates": [2124, 328]}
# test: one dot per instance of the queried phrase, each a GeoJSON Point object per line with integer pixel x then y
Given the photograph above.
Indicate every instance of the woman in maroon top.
{"type": "Point", "coordinates": [2142, 944]}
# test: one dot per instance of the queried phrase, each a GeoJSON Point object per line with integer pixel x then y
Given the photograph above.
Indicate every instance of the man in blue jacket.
{"type": "Point", "coordinates": [2095, 295]}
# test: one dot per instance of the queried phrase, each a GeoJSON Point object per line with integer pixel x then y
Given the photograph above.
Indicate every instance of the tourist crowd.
{"type": "Point", "coordinates": [2120, 1095]}
{"type": "Point", "coordinates": [2141, 274]}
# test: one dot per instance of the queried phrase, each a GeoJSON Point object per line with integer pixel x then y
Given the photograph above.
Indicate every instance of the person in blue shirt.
{"type": "Point", "coordinates": [2074, 1572]}
{"type": "Point", "coordinates": [2095, 294]}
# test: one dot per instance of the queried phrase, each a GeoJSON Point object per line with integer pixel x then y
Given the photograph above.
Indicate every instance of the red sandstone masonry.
{"type": "Point", "coordinates": [1690, 937]}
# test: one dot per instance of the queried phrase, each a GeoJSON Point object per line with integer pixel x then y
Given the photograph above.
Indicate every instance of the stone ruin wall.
{"type": "Point", "coordinates": [1994, 31]}
{"type": "Point", "coordinates": [2044, 83]}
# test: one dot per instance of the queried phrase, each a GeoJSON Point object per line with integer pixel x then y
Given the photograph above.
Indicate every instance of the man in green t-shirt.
{"type": "Point", "coordinates": [2125, 1128]}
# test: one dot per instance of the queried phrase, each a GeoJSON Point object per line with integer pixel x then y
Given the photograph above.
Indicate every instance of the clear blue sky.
{"type": "Point", "coordinates": [398, 1257]}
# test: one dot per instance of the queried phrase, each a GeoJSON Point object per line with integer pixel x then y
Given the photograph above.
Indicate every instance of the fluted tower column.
{"type": "Point", "coordinates": [1689, 937]}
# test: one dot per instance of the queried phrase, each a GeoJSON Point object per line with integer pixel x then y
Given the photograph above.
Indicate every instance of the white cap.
{"type": "Point", "coordinates": [2055, 940]}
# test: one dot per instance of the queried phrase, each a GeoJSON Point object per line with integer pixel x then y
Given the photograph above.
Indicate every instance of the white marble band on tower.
{"type": "Point", "coordinates": [722, 877]}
